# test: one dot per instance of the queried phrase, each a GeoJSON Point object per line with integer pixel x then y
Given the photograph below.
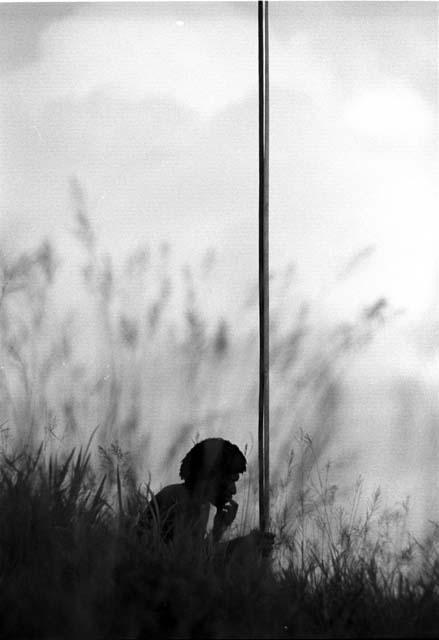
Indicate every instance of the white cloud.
{"type": "Point", "coordinates": [390, 114]}
{"type": "Point", "coordinates": [203, 65]}
{"type": "Point", "coordinates": [300, 66]}
{"type": "Point", "coordinates": [157, 109]}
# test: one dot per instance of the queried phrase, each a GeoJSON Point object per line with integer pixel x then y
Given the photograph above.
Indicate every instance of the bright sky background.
{"type": "Point", "coordinates": [153, 106]}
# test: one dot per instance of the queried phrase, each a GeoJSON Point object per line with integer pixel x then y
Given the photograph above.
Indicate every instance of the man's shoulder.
{"type": "Point", "coordinates": [166, 503]}
{"type": "Point", "coordinates": [172, 494]}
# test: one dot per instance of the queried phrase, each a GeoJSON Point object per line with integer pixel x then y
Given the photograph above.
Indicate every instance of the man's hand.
{"type": "Point", "coordinates": [223, 518]}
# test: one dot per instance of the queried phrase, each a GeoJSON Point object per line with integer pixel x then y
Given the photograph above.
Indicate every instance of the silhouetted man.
{"type": "Point", "coordinates": [181, 511]}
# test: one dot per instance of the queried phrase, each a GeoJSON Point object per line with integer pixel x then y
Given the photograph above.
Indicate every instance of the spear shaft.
{"type": "Point", "coordinates": [264, 397]}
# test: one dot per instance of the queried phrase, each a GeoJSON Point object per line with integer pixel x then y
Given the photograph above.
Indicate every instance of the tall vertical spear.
{"type": "Point", "coordinates": [264, 416]}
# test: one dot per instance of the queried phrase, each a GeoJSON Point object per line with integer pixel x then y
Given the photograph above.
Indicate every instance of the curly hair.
{"type": "Point", "coordinates": [213, 457]}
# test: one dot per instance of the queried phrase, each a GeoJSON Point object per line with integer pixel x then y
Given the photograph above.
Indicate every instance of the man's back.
{"type": "Point", "coordinates": [176, 512]}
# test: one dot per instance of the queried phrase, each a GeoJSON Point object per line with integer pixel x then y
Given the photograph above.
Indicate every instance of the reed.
{"type": "Point", "coordinates": [156, 372]}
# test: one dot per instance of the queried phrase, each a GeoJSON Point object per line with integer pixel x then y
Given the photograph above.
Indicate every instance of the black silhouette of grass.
{"type": "Point", "coordinates": [71, 564]}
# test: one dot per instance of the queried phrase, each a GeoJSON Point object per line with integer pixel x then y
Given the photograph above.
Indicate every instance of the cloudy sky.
{"type": "Point", "coordinates": [153, 107]}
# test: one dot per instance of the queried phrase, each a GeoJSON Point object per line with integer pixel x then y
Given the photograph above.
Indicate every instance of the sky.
{"type": "Point", "coordinates": [153, 108]}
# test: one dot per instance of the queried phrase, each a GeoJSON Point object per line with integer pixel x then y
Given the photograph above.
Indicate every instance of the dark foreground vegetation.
{"type": "Point", "coordinates": [71, 565]}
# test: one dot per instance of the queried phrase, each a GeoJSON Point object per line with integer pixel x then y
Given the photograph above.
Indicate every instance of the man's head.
{"type": "Point", "coordinates": [212, 467]}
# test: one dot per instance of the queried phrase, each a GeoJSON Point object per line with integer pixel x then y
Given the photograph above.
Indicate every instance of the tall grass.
{"type": "Point", "coordinates": [139, 355]}
{"type": "Point", "coordinates": [72, 565]}
{"type": "Point", "coordinates": [99, 405]}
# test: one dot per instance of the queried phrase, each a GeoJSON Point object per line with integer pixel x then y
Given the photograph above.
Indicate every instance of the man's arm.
{"type": "Point", "coordinates": [257, 542]}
